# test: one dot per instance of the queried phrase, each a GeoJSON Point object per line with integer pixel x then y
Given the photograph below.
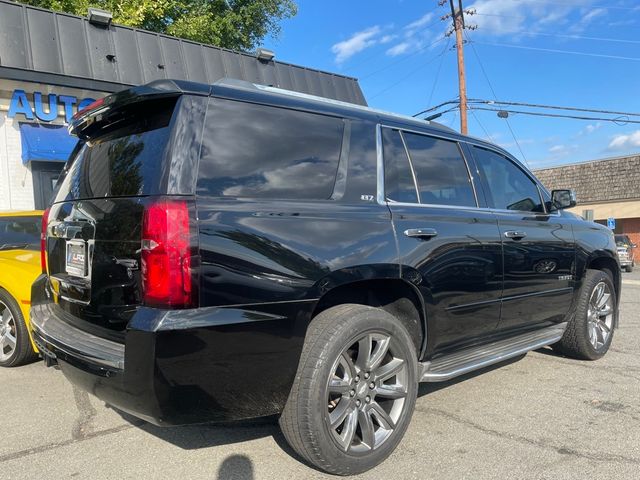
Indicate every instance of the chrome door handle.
{"type": "Point", "coordinates": [421, 232]}
{"type": "Point", "coordinates": [514, 234]}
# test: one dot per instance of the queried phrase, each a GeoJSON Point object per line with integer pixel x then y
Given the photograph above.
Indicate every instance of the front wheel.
{"type": "Point", "coordinates": [590, 331]}
{"type": "Point", "coordinates": [354, 392]}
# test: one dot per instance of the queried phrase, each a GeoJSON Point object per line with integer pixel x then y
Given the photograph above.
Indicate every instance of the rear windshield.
{"type": "Point", "coordinates": [20, 233]}
{"type": "Point", "coordinates": [125, 158]}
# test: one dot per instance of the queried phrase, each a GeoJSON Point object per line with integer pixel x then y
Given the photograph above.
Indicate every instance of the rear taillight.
{"type": "Point", "coordinates": [168, 264]}
{"type": "Point", "coordinates": [43, 241]}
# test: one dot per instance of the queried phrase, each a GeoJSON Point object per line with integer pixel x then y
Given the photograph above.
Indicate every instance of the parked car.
{"type": "Point", "coordinates": [625, 252]}
{"type": "Point", "coordinates": [234, 251]}
{"type": "Point", "coordinates": [19, 267]}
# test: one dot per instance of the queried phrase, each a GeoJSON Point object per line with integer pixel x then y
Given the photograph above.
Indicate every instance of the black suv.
{"type": "Point", "coordinates": [234, 251]}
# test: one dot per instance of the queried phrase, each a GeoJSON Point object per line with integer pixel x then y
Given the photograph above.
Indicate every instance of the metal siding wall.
{"type": "Point", "coordinates": [213, 64]}
{"type": "Point", "coordinates": [44, 41]}
{"type": "Point", "coordinates": [13, 50]}
{"type": "Point", "coordinates": [232, 65]}
{"type": "Point", "coordinates": [250, 69]}
{"type": "Point", "coordinates": [174, 65]}
{"type": "Point", "coordinates": [73, 46]}
{"type": "Point", "coordinates": [99, 40]}
{"type": "Point", "coordinates": [193, 58]}
{"type": "Point", "coordinates": [127, 59]}
{"type": "Point", "coordinates": [150, 56]}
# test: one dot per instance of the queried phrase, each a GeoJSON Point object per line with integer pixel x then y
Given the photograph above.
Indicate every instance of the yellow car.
{"type": "Point", "coordinates": [19, 267]}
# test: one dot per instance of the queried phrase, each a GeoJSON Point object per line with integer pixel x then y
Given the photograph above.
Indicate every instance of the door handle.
{"type": "Point", "coordinates": [515, 235]}
{"type": "Point", "coordinates": [421, 232]}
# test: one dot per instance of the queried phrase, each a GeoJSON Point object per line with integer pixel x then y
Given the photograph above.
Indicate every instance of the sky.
{"type": "Point", "coordinates": [579, 53]}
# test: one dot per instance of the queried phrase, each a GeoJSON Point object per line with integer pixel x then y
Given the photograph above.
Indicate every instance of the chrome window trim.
{"type": "Point", "coordinates": [381, 197]}
{"type": "Point", "coordinates": [413, 172]}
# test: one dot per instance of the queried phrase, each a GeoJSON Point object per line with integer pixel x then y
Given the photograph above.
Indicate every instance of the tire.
{"type": "Point", "coordinates": [577, 341]}
{"type": "Point", "coordinates": [629, 268]}
{"type": "Point", "coordinates": [13, 326]}
{"type": "Point", "coordinates": [313, 404]}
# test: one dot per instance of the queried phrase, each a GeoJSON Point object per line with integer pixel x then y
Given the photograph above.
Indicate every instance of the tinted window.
{"type": "Point", "coordinates": [441, 172]}
{"type": "Point", "coordinates": [20, 233]}
{"type": "Point", "coordinates": [125, 159]}
{"type": "Point", "coordinates": [398, 179]}
{"type": "Point", "coordinates": [507, 185]}
{"type": "Point", "coordinates": [253, 150]}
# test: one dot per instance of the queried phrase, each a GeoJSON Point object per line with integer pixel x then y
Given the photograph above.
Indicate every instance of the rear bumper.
{"type": "Point", "coordinates": [181, 367]}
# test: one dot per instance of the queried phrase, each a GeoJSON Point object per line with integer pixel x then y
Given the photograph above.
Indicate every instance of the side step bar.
{"type": "Point", "coordinates": [449, 366]}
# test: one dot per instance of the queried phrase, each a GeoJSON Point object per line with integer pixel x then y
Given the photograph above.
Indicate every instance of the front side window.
{"type": "Point", "coordinates": [508, 187]}
{"type": "Point", "coordinates": [441, 172]}
{"type": "Point", "coordinates": [258, 151]}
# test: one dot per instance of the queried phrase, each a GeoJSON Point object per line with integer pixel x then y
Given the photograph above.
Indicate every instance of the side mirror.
{"type": "Point", "coordinates": [561, 199]}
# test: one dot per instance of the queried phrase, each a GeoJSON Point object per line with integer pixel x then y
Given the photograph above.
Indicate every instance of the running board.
{"type": "Point", "coordinates": [449, 366]}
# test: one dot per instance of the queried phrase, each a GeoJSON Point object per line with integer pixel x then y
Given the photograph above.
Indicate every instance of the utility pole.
{"type": "Point", "coordinates": [457, 17]}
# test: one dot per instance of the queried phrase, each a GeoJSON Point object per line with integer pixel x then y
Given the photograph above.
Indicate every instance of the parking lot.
{"type": "Point", "coordinates": [542, 416]}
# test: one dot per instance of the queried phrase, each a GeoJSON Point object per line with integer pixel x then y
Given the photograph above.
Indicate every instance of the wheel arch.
{"type": "Point", "coordinates": [393, 295]}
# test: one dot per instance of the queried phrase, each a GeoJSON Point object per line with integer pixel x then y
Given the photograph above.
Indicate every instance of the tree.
{"type": "Point", "coordinates": [235, 24]}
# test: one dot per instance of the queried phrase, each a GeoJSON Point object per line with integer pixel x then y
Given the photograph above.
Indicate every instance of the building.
{"type": "Point", "coordinates": [605, 189]}
{"type": "Point", "coordinates": [52, 64]}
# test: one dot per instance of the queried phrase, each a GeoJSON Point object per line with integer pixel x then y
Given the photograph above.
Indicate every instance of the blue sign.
{"type": "Point", "coordinates": [611, 223]}
{"type": "Point", "coordinates": [46, 111]}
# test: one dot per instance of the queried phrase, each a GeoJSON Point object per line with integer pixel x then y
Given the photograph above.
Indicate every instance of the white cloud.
{"type": "Point", "coordinates": [398, 49]}
{"type": "Point", "coordinates": [358, 42]}
{"type": "Point", "coordinates": [591, 14]}
{"type": "Point", "coordinates": [421, 22]}
{"type": "Point", "coordinates": [557, 149]}
{"type": "Point", "coordinates": [388, 38]}
{"type": "Point", "coordinates": [621, 142]}
{"type": "Point", "coordinates": [503, 17]}
{"type": "Point", "coordinates": [589, 129]}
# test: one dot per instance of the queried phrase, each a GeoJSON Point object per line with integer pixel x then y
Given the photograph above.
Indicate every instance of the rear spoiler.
{"type": "Point", "coordinates": [88, 120]}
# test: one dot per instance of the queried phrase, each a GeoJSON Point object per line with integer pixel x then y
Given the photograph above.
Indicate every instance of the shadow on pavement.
{"type": "Point", "coordinates": [236, 467]}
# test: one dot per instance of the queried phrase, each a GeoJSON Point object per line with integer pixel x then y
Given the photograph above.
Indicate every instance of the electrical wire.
{"type": "Point", "coordinates": [402, 59]}
{"type": "Point", "coordinates": [576, 37]}
{"type": "Point", "coordinates": [484, 72]}
{"type": "Point", "coordinates": [553, 50]}
{"type": "Point", "coordinates": [617, 121]}
{"type": "Point", "coordinates": [411, 73]}
{"type": "Point", "coordinates": [435, 82]}
{"type": "Point", "coordinates": [481, 126]}
{"type": "Point", "coordinates": [554, 107]}
{"type": "Point", "coordinates": [578, 5]}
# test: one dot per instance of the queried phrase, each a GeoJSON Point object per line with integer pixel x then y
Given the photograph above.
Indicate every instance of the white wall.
{"type": "Point", "coordinates": [16, 181]}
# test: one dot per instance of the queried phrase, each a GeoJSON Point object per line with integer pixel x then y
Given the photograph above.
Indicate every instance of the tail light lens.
{"type": "Point", "coordinates": [43, 241]}
{"type": "Point", "coordinates": [169, 258]}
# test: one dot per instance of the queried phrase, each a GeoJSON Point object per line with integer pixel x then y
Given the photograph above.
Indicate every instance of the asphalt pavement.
{"type": "Point", "coordinates": [539, 417]}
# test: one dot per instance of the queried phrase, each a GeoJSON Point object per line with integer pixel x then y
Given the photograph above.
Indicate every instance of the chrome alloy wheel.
{"type": "Point", "coordinates": [7, 333]}
{"type": "Point", "coordinates": [366, 393]}
{"type": "Point", "coordinates": [600, 315]}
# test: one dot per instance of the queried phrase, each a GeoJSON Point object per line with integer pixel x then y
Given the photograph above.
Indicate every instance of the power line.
{"type": "Point", "coordinates": [553, 50]}
{"type": "Point", "coordinates": [402, 59]}
{"type": "Point", "coordinates": [617, 121]}
{"type": "Point", "coordinates": [578, 5]}
{"type": "Point", "coordinates": [554, 107]}
{"type": "Point", "coordinates": [377, 54]}
{"type": "Point", "coordinates": [484, 72]}
{"type": "Point", "coordinates": [576, 37]}
{"type": "Point", "coordinates": [435, 82]}
{"type": "Point", "coordinates": [412, 72]}
{"type": "Point", "coordinates": [481, 126]}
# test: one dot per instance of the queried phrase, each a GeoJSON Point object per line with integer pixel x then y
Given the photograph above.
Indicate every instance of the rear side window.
{"type": "Point", "coordinates": [441, 171]}
{"type": "Point", "coordinates": [508, 187]}
{"type": "Point", "coordinates": [20, 233]}
{"type": "Point", "coordinates": [125, 158]}
{"type": "Point", "coordinates": [258, 151]}
{"type": "Point", "coordinates": [398, 179]}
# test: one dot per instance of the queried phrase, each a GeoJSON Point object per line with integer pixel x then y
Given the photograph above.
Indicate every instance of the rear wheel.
{"type": "Point", "coordinates": [354, 392]}
{"type": "Point", "coordinates": [629, 268]}
{"type": "Point", "coordinates": [590, 332]}
{"type": "Point", "coordinates": [15, 346]}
